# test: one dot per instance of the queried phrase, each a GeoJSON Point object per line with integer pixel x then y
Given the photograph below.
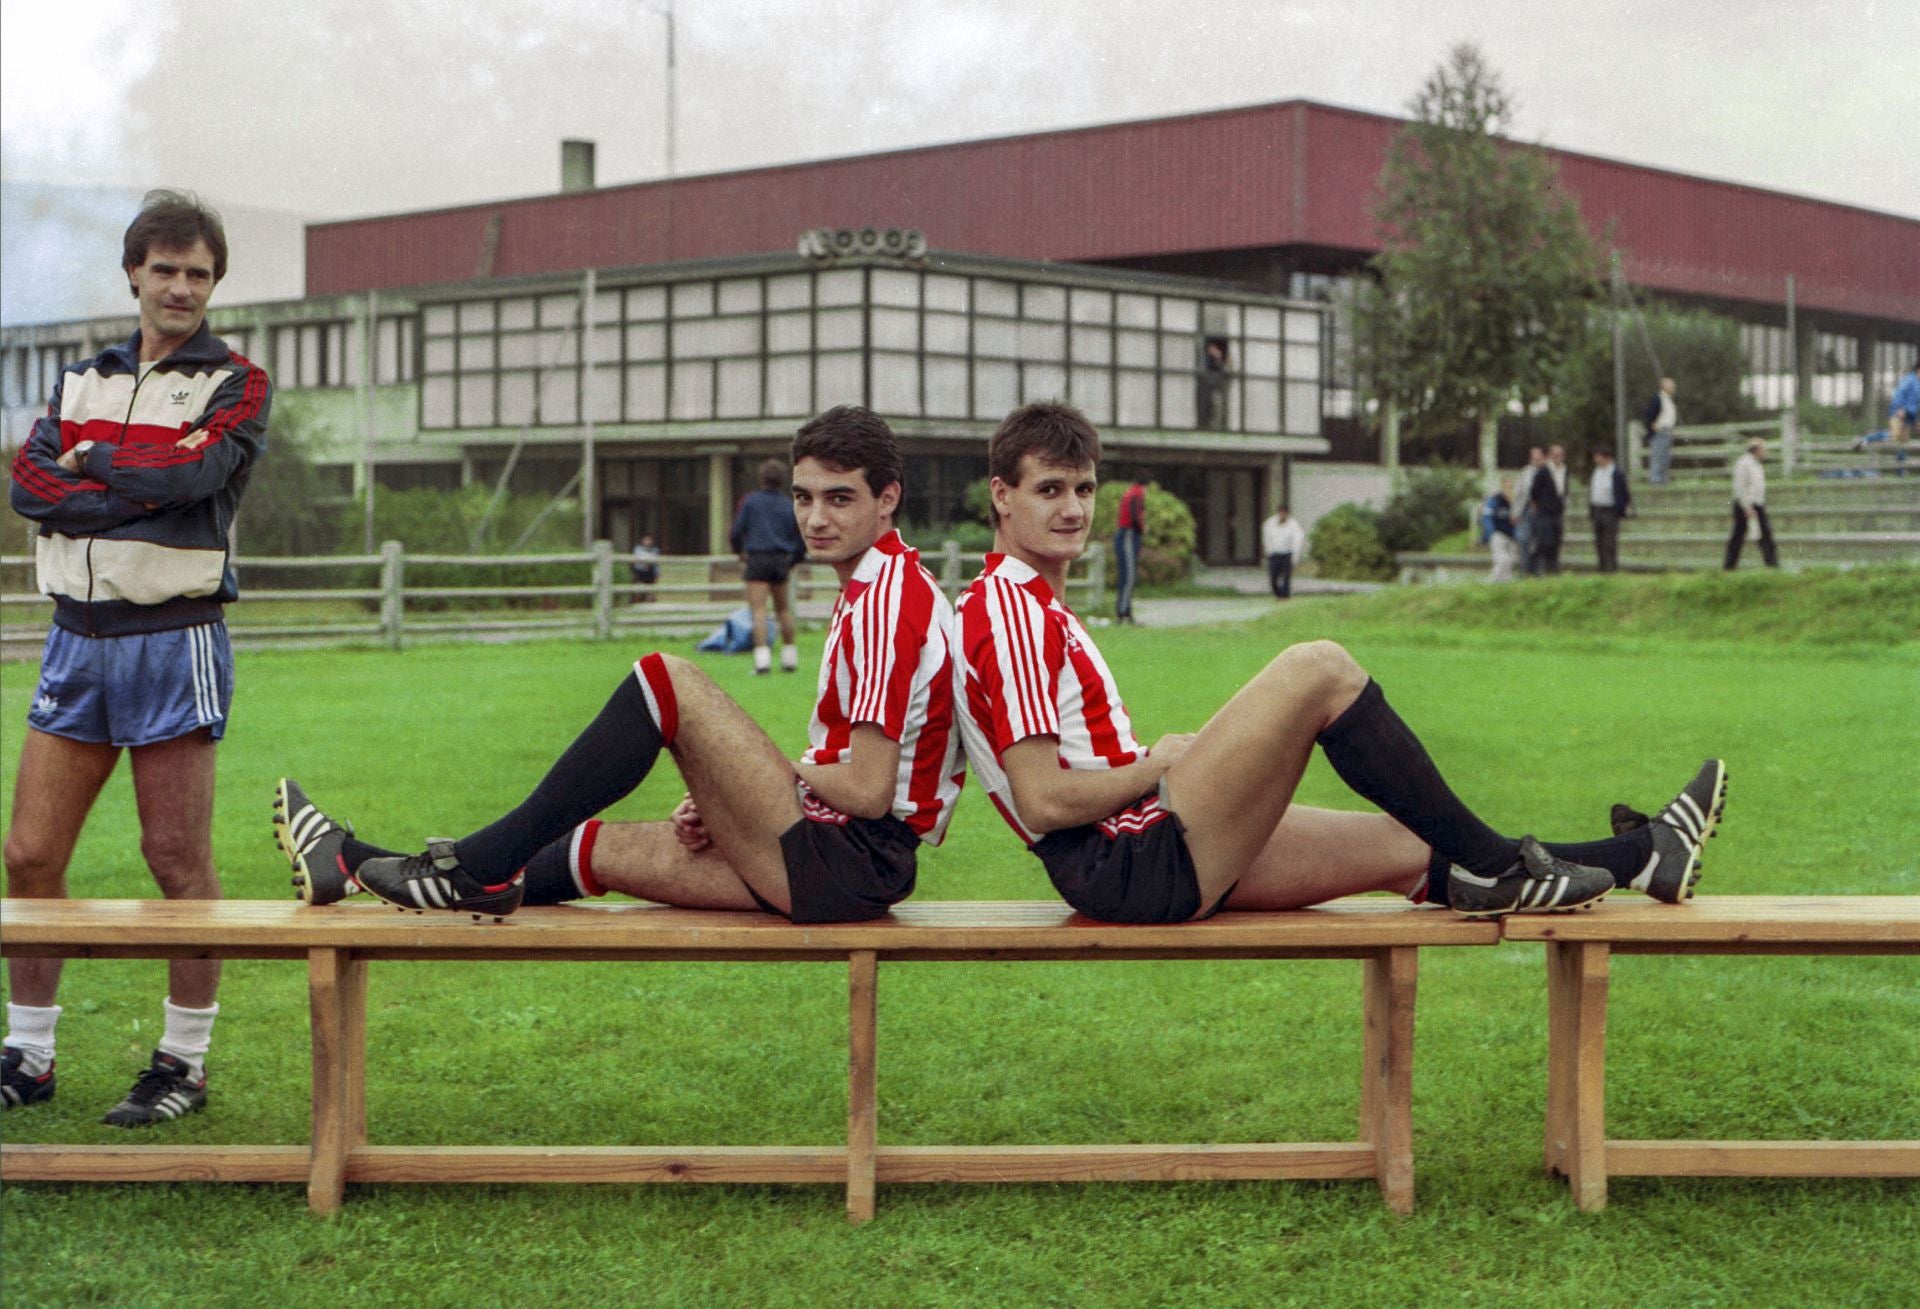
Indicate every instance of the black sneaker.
{"type": "Point", "coordinates": [1680, 832]}
{"type": "Point", "coordinates": [435, 880]}
{"type": "Point", "coordinates": [312, 843]}
{"type": "Point", "coordinates": [1537, 883]}
{"type": "Point", "coordinates": [19, 1089]}
{"type": "Point", "coordinates": [166, 1090]}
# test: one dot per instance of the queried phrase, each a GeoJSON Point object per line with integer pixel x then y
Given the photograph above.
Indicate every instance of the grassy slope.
{"type": "Point", "coordinates": [1540, 732]}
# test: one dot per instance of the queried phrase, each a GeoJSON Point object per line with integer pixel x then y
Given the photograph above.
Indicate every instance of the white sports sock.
{"type": "Point", "coordinates": [790, 658]}
{"type": "Point", "coordinates": [30, 1031]}
{"type": "Point", "coordinates": [189, 1033]}
{"type": "Point", "coordinates": [762, 659]}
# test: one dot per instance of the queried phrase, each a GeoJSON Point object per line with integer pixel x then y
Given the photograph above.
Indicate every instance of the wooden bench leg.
{"type": "Point", "coordinates": [863, 972]}
{"type": "Point", "coordinates": [1577, 974]}
{"type": "Point", "coordinates": [1386, 1093]}
{"type": "Point", "coordinates": [328, 1005]}
{"type": "Point", "coordinates": [353, 1046]}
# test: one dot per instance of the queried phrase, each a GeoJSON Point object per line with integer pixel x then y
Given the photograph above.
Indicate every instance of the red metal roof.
{"type": "Point", "coordinates": [1293, 173]}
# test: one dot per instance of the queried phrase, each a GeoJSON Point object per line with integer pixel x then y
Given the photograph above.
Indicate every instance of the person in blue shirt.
{"type": "Point", "coordinates": [1904, 412]}
{"type": "Point", "coordinates": [769, 544]}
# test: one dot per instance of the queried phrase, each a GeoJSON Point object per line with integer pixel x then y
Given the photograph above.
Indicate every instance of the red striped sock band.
{"type": "Point", "coordinates": [657, 686]}
{"type": "Point", "coordinates": [580, 857]}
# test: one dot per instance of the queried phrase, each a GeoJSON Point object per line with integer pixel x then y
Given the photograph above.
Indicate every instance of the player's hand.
{"type": "Point", "coordinates": [70, 460]}
{"type": "Point", "coordinates": [688, 828]}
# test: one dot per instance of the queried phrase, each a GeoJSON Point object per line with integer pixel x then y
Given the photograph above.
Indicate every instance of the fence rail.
{"type": "Point", "coordinates": [692, 590]}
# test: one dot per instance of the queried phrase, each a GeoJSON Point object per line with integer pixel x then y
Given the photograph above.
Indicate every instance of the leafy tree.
{"type": "Point", "coordinates": [289, 507]}
{"type": "Point", "coordinates": [1487, 270]}
{"type": "Point", "coordinates": [1700, 351]}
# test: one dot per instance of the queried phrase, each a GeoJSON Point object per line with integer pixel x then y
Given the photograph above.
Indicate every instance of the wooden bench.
{"type": "Point", "coordinates": [1579, 951]}
{"type": "Point", "coordinates": [339, 942]}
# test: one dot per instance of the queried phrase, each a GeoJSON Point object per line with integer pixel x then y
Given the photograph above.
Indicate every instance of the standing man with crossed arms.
{"type": "Point", "coordinates": [134, 476]}
{"type": "Point", "coordinates": [831, 838]}
{"type": "Point", "coordinates": [1206, 822]}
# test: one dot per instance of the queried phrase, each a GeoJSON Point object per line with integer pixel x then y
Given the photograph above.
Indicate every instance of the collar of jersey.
{"type": "Point", "coordinates": [877, 555]}
{"type": "Point", "coordinates": [1021, 574]}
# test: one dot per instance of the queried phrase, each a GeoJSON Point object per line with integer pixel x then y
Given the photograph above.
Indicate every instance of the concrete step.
{"type": "Point", "coordinates": [1835, 547]}
{"type": "Point", "coordinates": [1794, 519]}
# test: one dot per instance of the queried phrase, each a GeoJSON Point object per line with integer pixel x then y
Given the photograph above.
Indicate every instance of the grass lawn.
{"type": "Point", "coordinates": [1539, 730]}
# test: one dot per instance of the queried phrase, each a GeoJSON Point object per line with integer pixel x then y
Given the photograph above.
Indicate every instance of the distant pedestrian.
{"type": "Point", "coordinates": [645, 567]}
{"type": "Point", "coordinates": [1548, 498]}
{"type": "Point", "coordinates": [1522, 497]}
{"type": "Point", "coordinates": [1130, 526]}
{"type": "Point", "coordinates": [1661, 417]}
{"type": "Point", "coordinates": [1608, 501]}
{"type": "Point", "coordinates": [1904, 412]}
{"type": "Point", "coordinates": [1750, 506]}
{"type": "Point", "coordinates": [1497, 531]}
{"type": "Point", "coordinates": [768, 543]}
{"type": "Point", "coordinates": [1285, 543]}
{"type": "Point", "coordinates": [1210, 400]}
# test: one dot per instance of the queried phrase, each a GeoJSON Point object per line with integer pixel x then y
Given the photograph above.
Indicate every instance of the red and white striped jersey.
{"type": "Point", "coordinates": [888, 662]}
{"type": "Point", "coordinates": [1024, 666]}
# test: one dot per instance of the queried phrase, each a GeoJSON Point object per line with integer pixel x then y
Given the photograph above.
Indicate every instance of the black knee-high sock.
{"type": "Point", "coordinates": [603, 764]}
{"type": "Point", "coordinates": [1625, 856]}
{"type": "Point", "coordinates": [1378, 755]}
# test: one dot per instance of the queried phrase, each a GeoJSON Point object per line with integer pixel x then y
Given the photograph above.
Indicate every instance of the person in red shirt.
{"type": "Point", "coordinates": [1204, 822]}
{"type": "Point", "coordinates": [832, 837]}
{"type": "Point", "coordinates": [1130, 526]}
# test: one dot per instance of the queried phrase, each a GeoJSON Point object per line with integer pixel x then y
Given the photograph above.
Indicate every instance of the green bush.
{"type": "Point", "coordinates": [1346, 544]}
{"type": "Point", "coordinates": [288, 507]}
{"type": "Point", "coordinates": [446, 522]}
{"type": "Point", "coordinates": [1433, 503]}
{"type": "Point", "coordinates": [1166, 547]}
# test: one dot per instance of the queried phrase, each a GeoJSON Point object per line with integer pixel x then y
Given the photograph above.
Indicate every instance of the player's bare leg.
{"type": "Point", "coordinates": [647, 861]}
{"type": "Point", "coordinates": [53, 793]}
{"type": "Point", "coordinates": [173, 788]}
{"type": "Point", "coordinates": [1316, 855]}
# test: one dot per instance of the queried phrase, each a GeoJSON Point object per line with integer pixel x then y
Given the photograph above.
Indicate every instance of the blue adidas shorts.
{"type": "Point", "coordinates": [134, 690]}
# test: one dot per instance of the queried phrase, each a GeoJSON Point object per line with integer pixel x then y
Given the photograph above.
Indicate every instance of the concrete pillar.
{"type": "Point", "coordinates": [1870, 411]}
{"type": "Point", "coordinates": [719, 503]}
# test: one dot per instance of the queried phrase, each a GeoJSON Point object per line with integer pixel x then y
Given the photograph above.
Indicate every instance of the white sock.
{"type": "Point", "coordinates": [762, 658]}
{"type": "Point", "coordinates": [790, 657]}
{"type": "Point", "coordinates": [189, 1033]}
{"type": "Point", "coordinates": [30, 1031]}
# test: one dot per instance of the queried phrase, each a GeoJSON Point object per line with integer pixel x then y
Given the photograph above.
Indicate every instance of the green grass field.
{"type": "Point", "coordinates": [1542, 712]}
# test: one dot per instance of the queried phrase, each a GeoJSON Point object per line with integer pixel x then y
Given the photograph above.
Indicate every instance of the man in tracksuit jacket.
{"type": "Point", "coordinates": [134, 476]}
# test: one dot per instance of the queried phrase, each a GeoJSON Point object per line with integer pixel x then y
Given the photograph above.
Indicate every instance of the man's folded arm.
{"type": "Point", "coordinates": [861, 785]}
{"type": "Point", "coordinates": [227, 439]}
{"type": "Point", "coordinates": [1051, 798]}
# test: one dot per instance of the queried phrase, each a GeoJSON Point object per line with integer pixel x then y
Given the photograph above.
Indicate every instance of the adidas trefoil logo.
{"type": "Point", "coordinates": [45, 704]}
{"type": "Point", "coordinates": [180, 397]}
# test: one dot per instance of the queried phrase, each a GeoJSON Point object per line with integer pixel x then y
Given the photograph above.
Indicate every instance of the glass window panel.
{"type": "Point", "coordinates": [646, 341]}
{"type": "Point", "coordinates": [740, 295]}
{"type": "Point", "coordinates": [310, 374]}
{"type": "Point", "coordinates": [560, 395]}
{"type": "Point", "coordinates": [519, 350]}
{"type": "Point", "coordinates": [1177, 315]}
{"type": "Point", "coordinates": [896, 383]}
{"type": "Point", "coordinates": [603, 394]}
{"type": "Point", "coordinates": [645, 303]}
{"type": "Point", "coordinates": [1303, 408]}
{"type": "Point", "coordinates": [350, 349]}
{"type": "Point", "coordinates": [1263, 405]}
{"type": "Point", "coordinates": [692, 299]}
{"type": "Point", "coordinates": [1092, 345]}
{"type": "Point", "coordinates": [692, 390]}
{"type": "Point", "coordinates": [946, 292]}
{"type": "Point", "coordinates": [893, 286]}
{"type": "Point", "coordinates": [439, 355]}
{"type": "Point", "coordinates": [793, 331]}
{"type": "Point", "coordinates": [790, 291]}
{"type": "Point", "coordinates": [838, 329]}
{"type": "Point", "coordinates": [789, 386]}
{"type": "Point", "coordinates": [1303, 326]}
{"type": "Point", "coordinates": [1045, 302]}
{"type": "Point", "coordinates": [1092, 306]}
{"type": "Point", "coordinates": [841, 286]}
{"type": "Point", "coordinates": [1135, 407]}
{"type": "Point", "coordinates": [996, 338]}
{"type": "Point", "coordinates": [1135, 310]}
{"type": "Point", "coordinates": [604, 344]}
{"type": "Point", "coordinates": [516, 315]}
{"type": "Point", "coordinates": [476, 353]}
{"type": "Point", "coordinates": [476, 401]}
{"type": "Point", "coordinates": [646, 393]}
{"type": "Point", "coordinates": [1179, 352]}
{"type": "Point", "coordinates": [946, 388]}
{"type": "Point", "coordinates": [1137, 349]}
{"type": "Point", "coordinates": [1176, 400]}
{"type": "Point", "coordinates": [1263, 322]}
{"type": "Point", "coordinates": [559, 345]}
{"type": "Point", "coordinates": [995, 389]}
{"type": "Point", "coordinates": [438, 319]}
{"type": "Point", "coordinates": [1260, 359]}
{"type": "Point", "coordinates": [1220, 320]}
{"type": "Point", "coordinates": [739, 388]}
{"type": "Point", "coordinates": [1042, 382]}
{"type": "Point", "coordinates": [836, 380]}
{"type": "Point", "coordinates": [1093, 393]}
{"type": "Point", "coordinates": [477, 316]}
{"type": "Point", "coordinates": [716, 336]}
{"type": "Point", "coordinates": [386, 350]}
{"type": "Point", "coordinates": [991, 297]}
{"type": "Point", "coordinates": [516, 399]}
{"type": "Point", "coordinates": [896, 329]}
{"type": "Point", "coordinates": [436, 402]}
{"type": "Point", "coordinates": [946, 333]}
{"type": "Point", "coordinates": [286, 360]}
{"type": "Point", "coordinates": [1043, 341]}
{"type": "Point", "coordinates": [1303, 360]}
{"type": "Point", "coordinates": [606, 306]}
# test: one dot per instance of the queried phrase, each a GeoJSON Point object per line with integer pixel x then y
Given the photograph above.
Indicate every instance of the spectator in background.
{"type": "Point", "coordinates": [1547, 497]}
{"type": "Point", "coordinates": [1660, 417]}
{"type": "Point", "coordinates": [1496, 531]}
{"type": "Point", "coordinates": [1285, 544]}
{"type": "Point", "coordinates": [768, 543]}
{"type": "Point", "coordinates": [1750, 506]}
{"type": "Point", "coordinates": [1211, 403]}
{"type": "Point", "coordinates": [1130, 526]}
{"type": "Point", "coordinates": [1522, 507]}
{"type": "Point", "coordinates": [645, 567]}
{"type": "Point", "coordinates": [1905, 410]}
{"type": "Point", "coordinates": [1608, 501]}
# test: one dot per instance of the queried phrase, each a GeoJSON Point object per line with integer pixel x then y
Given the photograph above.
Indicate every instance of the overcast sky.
{"type": "Point", "coordinates": [334, 108]}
